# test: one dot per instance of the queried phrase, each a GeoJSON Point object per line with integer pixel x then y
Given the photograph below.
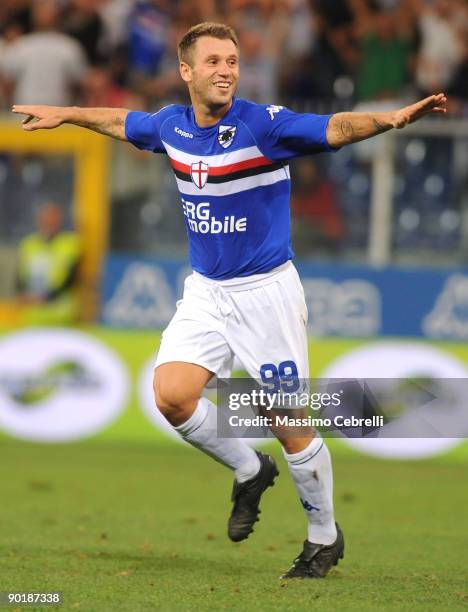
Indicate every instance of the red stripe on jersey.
{"type": "Point", "coordinates": [242, 165]}
{"type": "Point", "coordinates": [256, 162]}
{"type": "Point", "coordinates": [180, 166]}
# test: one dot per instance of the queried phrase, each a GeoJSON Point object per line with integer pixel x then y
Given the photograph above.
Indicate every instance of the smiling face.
{"type": "Point", "coordinates": [211, 73]}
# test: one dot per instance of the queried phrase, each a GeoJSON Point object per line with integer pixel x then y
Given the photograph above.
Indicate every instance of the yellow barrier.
{"type": "Point", "coordinates": [91, 153]}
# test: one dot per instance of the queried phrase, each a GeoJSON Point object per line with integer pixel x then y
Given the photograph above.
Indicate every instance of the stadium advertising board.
{"type": "Point", "coordinates": [59, 385]}
{"type": "Point", "coordinates": [343, 301]}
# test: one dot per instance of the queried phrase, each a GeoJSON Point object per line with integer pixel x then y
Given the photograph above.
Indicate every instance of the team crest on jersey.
{"type": "Point", "coordinates": [199, 173]}
{"type": "Point", "coordinates": [226, 135]}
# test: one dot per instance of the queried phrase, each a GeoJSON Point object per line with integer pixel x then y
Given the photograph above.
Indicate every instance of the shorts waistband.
{"type": "Point", "coordinates": [241, 283]}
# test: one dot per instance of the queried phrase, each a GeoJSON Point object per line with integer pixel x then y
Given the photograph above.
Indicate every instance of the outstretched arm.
{"type": "Point", "coordinates": [107, 121]}
{"type": "Point", "coordinates": [346, 128]}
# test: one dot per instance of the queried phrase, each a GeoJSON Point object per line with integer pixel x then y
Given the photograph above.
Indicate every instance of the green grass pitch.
{"type": "Point", "coordinates": [136, 527]}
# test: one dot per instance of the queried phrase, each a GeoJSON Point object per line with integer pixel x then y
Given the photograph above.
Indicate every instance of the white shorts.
{"type": "Point", "coordinates": [259, 319]}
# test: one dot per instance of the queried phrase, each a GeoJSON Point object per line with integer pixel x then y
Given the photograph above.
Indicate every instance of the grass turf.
{"type": "Point", "coordinates": [120, 527]}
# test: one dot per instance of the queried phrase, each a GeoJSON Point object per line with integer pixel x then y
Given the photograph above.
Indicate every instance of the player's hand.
{"type": "Point", "coordinates": [409, 114]}
{"type": "Point", "coordinates": [40, 117]}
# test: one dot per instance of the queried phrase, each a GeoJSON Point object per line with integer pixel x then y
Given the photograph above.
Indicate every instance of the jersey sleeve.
{"type": "Point", "coordinates": [282, 134]}
{"type": "Point", "coordinates": [144, 129]}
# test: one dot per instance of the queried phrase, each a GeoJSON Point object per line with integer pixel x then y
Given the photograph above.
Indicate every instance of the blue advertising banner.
{"type": "Point", "coordinates": [345, 301]}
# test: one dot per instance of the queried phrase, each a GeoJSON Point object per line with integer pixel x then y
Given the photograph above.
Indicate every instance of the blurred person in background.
{"type": "Point", "coordinates": [82, 21]}
{"type": "Point", "coordinates": [166, 86]}
{"type": "Point", "coordinates": [115, 15]}
{"type": "Point", "coordinates": [383, 70]}
{"type": "Point", "coordinates": [251, 13]}
{"type": "Point", "coordinates": [263, 26]}
{"type": "Point", "coordinates": [188, 11]}
{"type": "Point", "coordinates": [48, 271]}
{"type": "Point", "coordinates": [148, 28]}
{"type": "Point", "coordinates": [459, 87]}
{"type": "Point", "coordinates": [260, 59]}
{"type": "Point", "coordinates": [15, 14]}
{"type": "Point", "coordinates": [301, 28]}
{"type": "Point", "coordinates": [443, 35]}
{"type": "Point", "coordinates": [15, 21]}
{"type": "Point", "coordinates": [46, 64]}
{"type": "Point", "coordinates": [385, 40]}
{"type": "Point", "coordinates": [330, 58]}
{"type": "Point", "coordinates": [163, 85]}
{"type": "Point", "coordinates": [99, 89]}
{"type": "Point", "coordinates": [316, 216]}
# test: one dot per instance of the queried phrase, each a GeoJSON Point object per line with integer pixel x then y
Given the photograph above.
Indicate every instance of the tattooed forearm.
{"type": "Point", "coordinates": [110, 127]}
{"type": "Point", "coordinates": [107, 121]}
{"type": "Point", "coordinates": [379, 128]}
{"type": "Point", "coordinates": [347, 130]}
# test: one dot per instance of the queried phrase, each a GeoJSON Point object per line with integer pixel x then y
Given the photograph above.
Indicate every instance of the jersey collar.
{"type": "Point", "coordinates": [224, 118]}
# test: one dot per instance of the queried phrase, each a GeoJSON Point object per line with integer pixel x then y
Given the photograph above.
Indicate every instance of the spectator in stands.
{"type": "Point", "coordinates": [99, 89]}
{"type": "Point", "coordinates": [301, 30]}
{"type": "Point", "coordinates": [166, 86]}
{"type": "Point", "coordinates": [385, 38]}
{"type": "Point", "coordinates": [147, 37]}
{"type": "Point", "coordinates": [115, 15]}
{"type": "Point", "coordinates": [45, 66]}
{"type": "Point", "coordinates": [317, 219]}
{"type": "Point", "coordinates": [261, 40]}
{"type": "Point", "coordinates": [259, 64]}
{"type": "Point", "coordinates": [458, 90]}
{"type": "Point", "coordinates": [15, 14]}
{"type": "Point", "coordinates": [331, 56]}
{"type": "Point", "coordinates": [336, 14]}
{"type": "Point", "coordinates": [196, 11]}
{"type": "Point", "coordinates": [47, 280]}
{"type": "Point", "coordinates": [443, 35]}
{"type": "Point", "coordinates": [252, 13]}
{"type": "Point", "coordinates": [82, 21]}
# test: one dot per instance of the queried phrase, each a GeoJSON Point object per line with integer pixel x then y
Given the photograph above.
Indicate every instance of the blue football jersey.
{"type": "Point", "coordinates": [233, 179]}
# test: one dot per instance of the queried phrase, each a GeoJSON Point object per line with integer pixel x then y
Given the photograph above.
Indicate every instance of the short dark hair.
{"type": "Point", "coordinates": [208, 28]}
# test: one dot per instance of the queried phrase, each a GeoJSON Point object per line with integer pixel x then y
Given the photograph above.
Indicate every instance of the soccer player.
{"type": "Point", "coordinates": [244, 298]}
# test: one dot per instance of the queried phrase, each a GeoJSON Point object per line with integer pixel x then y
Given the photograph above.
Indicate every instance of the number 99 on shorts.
{"type": "Point", "coordinates": [282, 378]}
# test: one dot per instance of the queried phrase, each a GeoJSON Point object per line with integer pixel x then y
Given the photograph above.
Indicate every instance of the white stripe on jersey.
{"type": "Point", "coordinates": [223, 159]}
{"type": "Point", "coordinates": [236, 186]}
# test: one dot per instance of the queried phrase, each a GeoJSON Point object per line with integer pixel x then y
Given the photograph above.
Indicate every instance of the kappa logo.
{"type": "Point", "coordinates": [199, 173]}
{"type": "Point", "coordinates": [273, 110]}
{"type": "Point", "coordinates": [226, 135]}
{"type": "Point", "coordinates": [177, 130]}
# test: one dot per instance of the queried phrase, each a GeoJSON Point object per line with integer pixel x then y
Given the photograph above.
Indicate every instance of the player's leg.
{"type": "Point", "coordinates": [282, 339]}
{"type": "Point", "coordinates": [193, 348]}
{"type": "Point", "coordinates": [178, 388]}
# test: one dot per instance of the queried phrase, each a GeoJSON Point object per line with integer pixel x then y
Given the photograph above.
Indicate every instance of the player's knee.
{"type": "Point", "coordinates": [170, 399]}
{"type": "Point", "coordinates": [163, 395]}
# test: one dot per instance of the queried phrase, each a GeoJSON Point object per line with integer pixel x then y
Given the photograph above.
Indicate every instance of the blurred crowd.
{"type": "Point", "coordinates": [305, 53]}
{"type": "Point", "coordinates": [312, 55]}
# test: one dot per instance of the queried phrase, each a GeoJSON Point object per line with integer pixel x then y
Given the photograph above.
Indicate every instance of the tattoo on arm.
{"type": "Point", "coordinates": [106, 123]}
{"type": "Point", "coordinates": [347, 129]}
{"type": "Point", "coordinates": [379, 128]}
{"type": "Point", "coordinates": [109, 127]}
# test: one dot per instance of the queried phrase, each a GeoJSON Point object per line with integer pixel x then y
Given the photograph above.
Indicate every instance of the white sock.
{"type": "Point", "coordinates": [201, 431]}
{"type": "Point", "coordinates": [311, 470]}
